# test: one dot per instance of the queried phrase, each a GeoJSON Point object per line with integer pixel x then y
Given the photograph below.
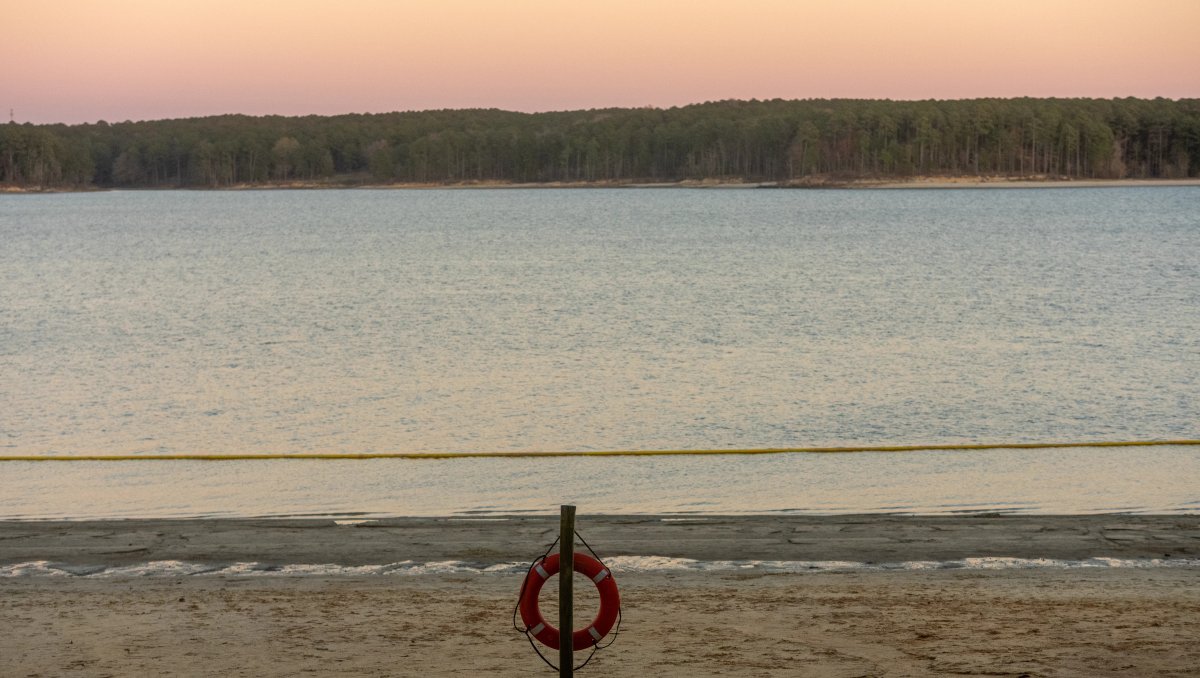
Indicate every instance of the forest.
{"type": "Point", "coordinates": [801, 142]}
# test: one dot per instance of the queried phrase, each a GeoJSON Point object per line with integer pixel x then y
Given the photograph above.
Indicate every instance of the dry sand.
{"type": "Point", "coordinates": [1038, 622]}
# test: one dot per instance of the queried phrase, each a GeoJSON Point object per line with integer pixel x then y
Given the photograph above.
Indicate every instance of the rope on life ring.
{"type": "Point", "coordinates": [538, 580]}
{"type": "Point", "coordinates": [610, 602]}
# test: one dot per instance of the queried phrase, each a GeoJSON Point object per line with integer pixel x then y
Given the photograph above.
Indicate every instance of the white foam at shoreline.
{"type": "Point", "coordinates": [618, 564]}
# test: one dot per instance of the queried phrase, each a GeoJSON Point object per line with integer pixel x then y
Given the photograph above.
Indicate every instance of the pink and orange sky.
{"type": "Point", "coordinates": [86, 60]}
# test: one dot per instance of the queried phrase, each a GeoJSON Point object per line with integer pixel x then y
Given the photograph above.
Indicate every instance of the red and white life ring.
{"type": "Point", "coordinates": [610, 602]}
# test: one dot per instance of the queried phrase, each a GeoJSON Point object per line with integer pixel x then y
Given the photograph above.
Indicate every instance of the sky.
{"type": "Point", "coordinates": [86, 60]}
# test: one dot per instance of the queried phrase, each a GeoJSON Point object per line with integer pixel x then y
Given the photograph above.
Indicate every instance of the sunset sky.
{"type": "Point", "coordinates": [84, 60]}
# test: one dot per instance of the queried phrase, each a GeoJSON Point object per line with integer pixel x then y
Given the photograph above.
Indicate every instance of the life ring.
{"type": "Point", "coordinates": [610, 602]}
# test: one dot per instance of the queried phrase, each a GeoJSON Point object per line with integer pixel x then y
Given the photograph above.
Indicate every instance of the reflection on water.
{"type": "Point", "coordinates": [410, 321]}
{"type": "Point", "coordinates": [426, 321]}
{"type": "Point", "coordinates": [1057, 480]}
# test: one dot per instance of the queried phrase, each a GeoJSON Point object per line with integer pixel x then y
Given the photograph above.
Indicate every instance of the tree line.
{"type": "Point", "coordinates": [782, 141]}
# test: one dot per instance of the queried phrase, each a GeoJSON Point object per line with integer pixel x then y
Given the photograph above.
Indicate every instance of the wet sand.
{"type": "Point", "coordinates": [1040, 622]}
{"type": "Point", "coordinates": [865, 538]}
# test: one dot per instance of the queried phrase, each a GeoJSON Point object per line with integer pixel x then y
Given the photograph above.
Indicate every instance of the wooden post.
{"type": "Point", "coordinates": [566, 593]}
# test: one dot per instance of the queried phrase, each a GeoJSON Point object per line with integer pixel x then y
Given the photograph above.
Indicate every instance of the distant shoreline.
{"type": "Point", "coordinates": [1017, 182]}
{"type": "Point", "coordinates": [896, 183]}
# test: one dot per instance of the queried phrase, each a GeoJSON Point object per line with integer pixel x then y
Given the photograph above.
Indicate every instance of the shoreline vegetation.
{"type": "Point", "coordinates": [838, 143]}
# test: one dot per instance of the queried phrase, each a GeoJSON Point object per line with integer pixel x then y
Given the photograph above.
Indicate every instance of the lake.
{"type": "Point", "coordinates": [362, 321]}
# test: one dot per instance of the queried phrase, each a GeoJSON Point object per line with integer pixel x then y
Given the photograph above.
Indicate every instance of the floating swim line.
{"type": "Point", "coordinates": [598, 453]}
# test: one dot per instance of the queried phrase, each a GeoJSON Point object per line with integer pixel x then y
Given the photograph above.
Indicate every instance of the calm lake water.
{"type": "Point", "coordinates": [507, 320]}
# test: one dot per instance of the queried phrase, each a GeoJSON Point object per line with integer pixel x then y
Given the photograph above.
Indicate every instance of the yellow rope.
{"type": "Point", "coordinates": [598, 453]}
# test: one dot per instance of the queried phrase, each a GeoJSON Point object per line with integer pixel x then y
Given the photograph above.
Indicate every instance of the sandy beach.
{"type": "Point", "coordinates": [1019, 182]}
{"type": "Point", "coordinates": [1044, 621]}
{"type": "Point", "coordinates": [857, 538]}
